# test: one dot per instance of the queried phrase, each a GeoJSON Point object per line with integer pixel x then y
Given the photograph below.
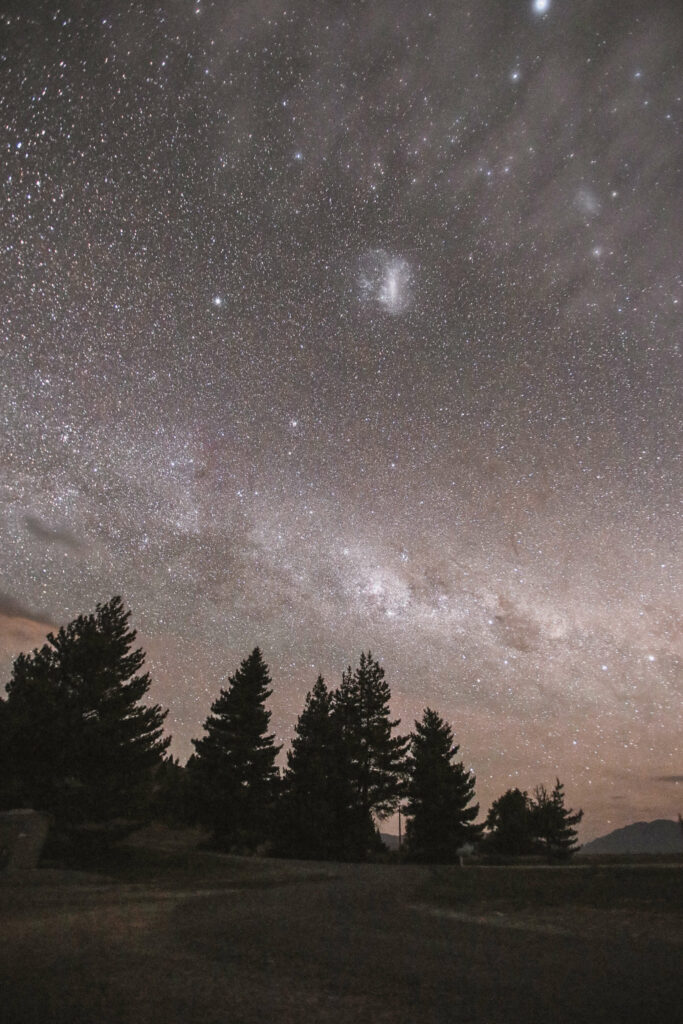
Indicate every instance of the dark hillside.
{"type": "Point", "coordinates": [660, 836]}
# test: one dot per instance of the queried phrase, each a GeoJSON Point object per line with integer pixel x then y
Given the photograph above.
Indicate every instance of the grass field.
{"type": "Point", "coordinates": [174, 936]}
{"type": "Point", "coordinates": [618, 886]}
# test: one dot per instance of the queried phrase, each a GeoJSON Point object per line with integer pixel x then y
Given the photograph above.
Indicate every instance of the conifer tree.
{"type": "Point", "coordinates": [377, 759]}
{"type": "Point", "coordinates": [5, 799]}
{"type": "Point", "coordinates": [171, 802]}
{"type": "Point", "coordinates": [553, 824]}
{"type": "Point", "coordinates": [320, 816]}
{"type": "Point", "coordinates": [233, 772]}
{"type": "Point", "coordinates": [438, 810]}
{"type": "Point", "coordinates": [79, 743]}
{"type": "Point", "coordinates": [510, 825]}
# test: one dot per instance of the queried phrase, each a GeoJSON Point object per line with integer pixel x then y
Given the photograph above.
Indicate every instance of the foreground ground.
{"type": "Point", "coordinates": [244, 941]}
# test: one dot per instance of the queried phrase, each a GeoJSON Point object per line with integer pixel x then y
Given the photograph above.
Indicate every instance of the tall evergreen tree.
{"type": "Point", "coordinates": [9, 781]}
{"type": "Point", "coordinates": [172, 800]}
{"type": "Point", "coordinates": [510, 825]}
{"type": "Point", "coordinates": [377, 759]}
{"type": "Point", "coordinates": [234, 770]}
{"type": "Point", "coordinates": [320, 816]}
{"type": "Point", "coordinates": [438, 810]}
{"type": "Point", "coordinates": [79, 742]}
{"type": "Point", "coordinates": [553, 823]}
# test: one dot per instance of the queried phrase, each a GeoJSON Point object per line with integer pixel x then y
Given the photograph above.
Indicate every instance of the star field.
{"type": "Point", "coordinates": [327, 327]}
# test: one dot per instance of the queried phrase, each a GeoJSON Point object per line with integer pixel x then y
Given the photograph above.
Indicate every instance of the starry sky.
{"type": "Point", "coordinates": [328, 326]}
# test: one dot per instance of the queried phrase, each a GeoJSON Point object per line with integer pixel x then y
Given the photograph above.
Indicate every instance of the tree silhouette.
{"type": "Point", "coordinates": [377, 759]}
{"type": "Point", "coordinates": [10, 788]}
{"type": "Point", "coordinates": [553, 824]}
{"type": "Point", "coordinates": [80, 745]}
{"type": "Point", "coordinates": [233, 773]}
{"type": "Point", "coordinates": [320, 816]}
{"type": "Point", "coordinates": [510, 824]}
{"type": "Point", "coordinates": [438, 811]}
{"type": "Point", "coordinates": [172, 800]}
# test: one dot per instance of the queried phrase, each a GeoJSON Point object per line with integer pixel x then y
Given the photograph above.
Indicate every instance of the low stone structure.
{"type": "Point", "coordinates": [22, 836]}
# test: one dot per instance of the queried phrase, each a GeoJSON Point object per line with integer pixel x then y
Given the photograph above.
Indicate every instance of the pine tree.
{"type": "Point", "coordinates": [10, 789]}
{"type": "Point", "coordinates": [320, 816]}
{"type": "Point", "coordinates": [439, 816]}
{"type": "Point", "coordinates": [361, 705]}
{"type": "Point", "coordinates": [234, 771]}
{"type": "Point", "coordinates": [171, 802]}
{"type": "Point", "coordinates": [509, 824]}
{"type": "Point", "coordinates": [80, 744]}
{"type": "Point", "coordinates": [553, 824]}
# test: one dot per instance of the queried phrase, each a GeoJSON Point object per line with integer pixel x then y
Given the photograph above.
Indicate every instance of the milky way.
{"type": "Point", "coordinates": [331, 327]}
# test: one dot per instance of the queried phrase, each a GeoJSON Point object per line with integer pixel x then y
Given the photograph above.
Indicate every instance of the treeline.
{"type": "Point", "coordinates": [77, 741]}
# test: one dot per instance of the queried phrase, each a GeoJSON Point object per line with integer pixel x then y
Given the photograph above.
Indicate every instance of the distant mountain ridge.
{"type": "Point", "coordinates": [389, 840]}
{"type": "Point", "coordinates": [659, 836]}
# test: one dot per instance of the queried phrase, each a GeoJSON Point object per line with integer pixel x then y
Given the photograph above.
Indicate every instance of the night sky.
{"type": "Point", "coordinates": [328, 326]}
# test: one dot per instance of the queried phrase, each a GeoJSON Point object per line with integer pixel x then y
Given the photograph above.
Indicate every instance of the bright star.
{"type": "Point", "coordinates": [541, 6]}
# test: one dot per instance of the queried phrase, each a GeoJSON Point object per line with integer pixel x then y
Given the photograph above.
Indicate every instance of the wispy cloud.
{"type": "Point", "coordinates": [10, 608]}
{"type": "Point", "coordinates": [52, 534]}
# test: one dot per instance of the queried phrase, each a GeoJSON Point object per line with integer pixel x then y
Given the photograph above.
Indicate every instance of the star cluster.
{"type": "Point", "coordinates": [327, 327]}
